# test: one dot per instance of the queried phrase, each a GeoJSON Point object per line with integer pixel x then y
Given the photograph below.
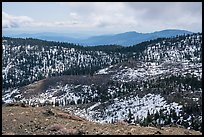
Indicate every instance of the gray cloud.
{"type": "Point", "coordinates": [120, 16]}
{"type": "Point", "coordinates": [9, 21]}
{"type": "Point", "coordinates": [174, 15]}
{"type": "Point", "coordinates": [140, 16]}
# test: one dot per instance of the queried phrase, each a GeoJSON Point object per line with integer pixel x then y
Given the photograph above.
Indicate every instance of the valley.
{"type": "Point", "coordinates": [156, 82]}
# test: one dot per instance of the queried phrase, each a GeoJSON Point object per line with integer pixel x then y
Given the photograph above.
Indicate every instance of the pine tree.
{"type": "Point", "coordinates": [130, 116]}
{"type": "Point", "coordinates": [149, 118]}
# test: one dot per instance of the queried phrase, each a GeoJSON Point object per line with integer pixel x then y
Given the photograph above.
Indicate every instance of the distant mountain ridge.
{"type": "Point", "coordinates": [124, 39]}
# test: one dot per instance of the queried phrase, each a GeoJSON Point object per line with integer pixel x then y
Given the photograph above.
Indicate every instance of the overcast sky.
{"type": "Point", "coordinates": [100, 17]}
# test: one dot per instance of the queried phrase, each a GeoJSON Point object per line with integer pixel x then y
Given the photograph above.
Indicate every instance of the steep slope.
{"type": "Point", "coordinates": [28, 60]}
{"type": "Point", "coordinates": [156, 82]}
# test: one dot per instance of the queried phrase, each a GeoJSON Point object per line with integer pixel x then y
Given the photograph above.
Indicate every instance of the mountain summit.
{"type": "Point", "coordinates": [132, 37]}
{"type": "Point", "coordinates": [125, 39]}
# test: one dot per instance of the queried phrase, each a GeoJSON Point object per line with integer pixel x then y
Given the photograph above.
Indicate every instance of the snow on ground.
{"type": "Point", "coordinates": [10, 95]}
{"type": "Point", "coordinates": [6, 69]}
{"type": "Point", "coordinates": [149, 69]}
{"type": "Point", "coordinates": [119, 110]}
{"type": "Point", "coordinates": [104, 71]}
{"type": "Point", "coordinates": [61, 95]}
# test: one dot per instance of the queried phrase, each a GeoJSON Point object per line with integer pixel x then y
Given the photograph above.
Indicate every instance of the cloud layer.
{"type": "Point", "coordinates": [9, 21]}
{"type": "Point", "coordinates": [118, 16]}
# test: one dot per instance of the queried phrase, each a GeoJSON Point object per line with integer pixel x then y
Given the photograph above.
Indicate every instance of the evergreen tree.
{"type": "Point", "coordinates": [130, 116]}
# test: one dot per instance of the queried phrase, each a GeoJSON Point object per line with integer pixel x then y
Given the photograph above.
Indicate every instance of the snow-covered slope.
{"type": "Point", "coordinates": [139, 107]}
{"type": "Point", "coordinates": [157, 83]}
{"type": "Point", "coordinates": [178, 57]}
{"type": "Point", "coordinates": [33, 61]}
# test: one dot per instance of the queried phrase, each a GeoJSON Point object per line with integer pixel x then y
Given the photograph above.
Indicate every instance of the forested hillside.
{"type": "Point", "coordinates": [156, 82]}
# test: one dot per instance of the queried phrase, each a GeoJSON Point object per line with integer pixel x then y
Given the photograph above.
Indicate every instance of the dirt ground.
{"type": "Point", "coordinates": [18, 120]}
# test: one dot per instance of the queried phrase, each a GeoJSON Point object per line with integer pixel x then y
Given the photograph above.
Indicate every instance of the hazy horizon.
{"type": "Point", "coordinates": [77, 34]}
{"type": "Point", "coordinates": [99, 18]}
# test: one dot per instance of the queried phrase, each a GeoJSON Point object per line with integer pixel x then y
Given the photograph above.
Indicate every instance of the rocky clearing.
{"type": "Point", "coordinates": [26, 120]}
